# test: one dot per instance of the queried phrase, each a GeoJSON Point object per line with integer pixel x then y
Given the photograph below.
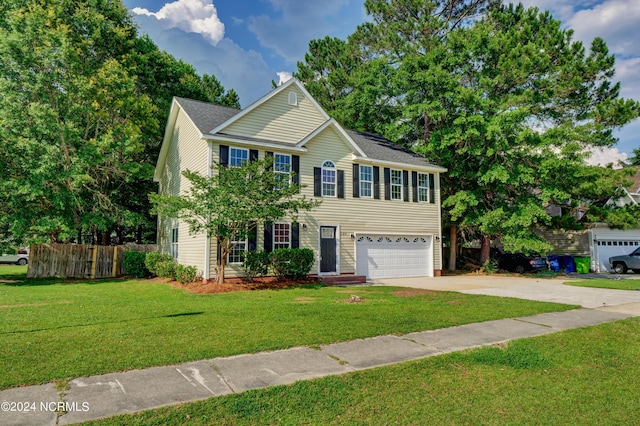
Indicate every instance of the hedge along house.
{"type": "Point", "coordinates": [380, 210]}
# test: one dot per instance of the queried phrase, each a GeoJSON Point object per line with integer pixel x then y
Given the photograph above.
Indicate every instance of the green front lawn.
{"type": "Point", "coordinates": [51, 330]}
{"type": "Point", "coordinates": [585, 376]}
{"type": "Point", "coordinates": [624, 284]}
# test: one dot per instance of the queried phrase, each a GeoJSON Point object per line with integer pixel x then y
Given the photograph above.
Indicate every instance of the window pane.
{"type": "Point", "coordinates": [396, 184]}
{"type": "Point", "coordinates": [328, 183]}
{"type": "Point", "coordinates": [366, 181]}
{"type": "Point", "coordinates": [281, 235]}
{"type": "Point", "coordinates": [423, 187]}
{"type": "Point", "coordinates": [238, 156]}
{"type": "Point", "coordinates": [235, 255]}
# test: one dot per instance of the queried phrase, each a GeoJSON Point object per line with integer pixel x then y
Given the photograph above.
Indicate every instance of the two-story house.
{"type": "Point", "coordinates": [380, 210]}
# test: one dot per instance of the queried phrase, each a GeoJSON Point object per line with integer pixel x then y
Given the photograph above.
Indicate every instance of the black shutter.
{"type": "Point", "coordinates": [405, 184]}
{"type": "Point", "coordinates": [356, 181]}
{"type": "Point", "coordinates": [432, 188]}
{"type": "Point", "coordinates": [269, 154]}
{"type": "Point", "coordinates": [376, 182]}
{"type": "Point", "coordinates": [387, 183]}
{"type": "Point", "coordinates": [224, 155]}
{"type": "Point", "coordinates": [317, 181]}
{"type": "Point", "coordinates": [340, 183]}
{"type": "Point", "coordinates": [253, 238]}
{"type": "Point", "coordinates": [295, 168]}
{"type": "Point", "coordinates": [253, 154]}
{"type": "Point", "coordinates": [414, 186]}
{"type": "Point", "coordinates": [295, 235]}
{"type": "Point", "coordinates": [268, 237]}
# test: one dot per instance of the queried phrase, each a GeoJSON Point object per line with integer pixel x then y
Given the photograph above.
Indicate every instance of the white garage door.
{"type": "Point", "coordinates": [394, 256]}
{"type": "Point", "coordinates": [611, 246]}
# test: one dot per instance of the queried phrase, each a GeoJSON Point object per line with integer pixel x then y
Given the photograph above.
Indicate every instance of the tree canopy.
{"type": "Point", "coordinates": [231, 203]}
{"type": "Point", "coordinates": [502, 96]}
{"type": "Point", "coordinates": [84, 98]}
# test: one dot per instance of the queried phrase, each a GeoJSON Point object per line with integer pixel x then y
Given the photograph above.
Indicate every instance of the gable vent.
{"type": "Point", "coordinates": [293, 98]}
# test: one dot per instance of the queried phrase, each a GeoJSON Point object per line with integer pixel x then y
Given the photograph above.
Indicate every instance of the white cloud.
{"type": "Point", "coordinates": [616, 21]}
{"type": "Point", "coordinates": [605, 156]}
{"type": "Point", "coordinates": [301, 21]}
{"type": "Point", "coordinates": [284, 76]}
{"type": "Point", "coordinates": [236, 68]}
{"type": "Point", "coordinates": [192, 16]}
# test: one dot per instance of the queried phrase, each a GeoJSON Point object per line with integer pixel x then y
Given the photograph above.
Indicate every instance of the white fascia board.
{"type": "Point", "coordinates": [265, 98]}
{"type": "Point", "coordinates": [338, 127]}
{"type": "Point", "coordinates": [274, 146]}
{"type": "Point", "coordinates": [426, 168]}
{"type": "Point", "coordinates": [166, 140]}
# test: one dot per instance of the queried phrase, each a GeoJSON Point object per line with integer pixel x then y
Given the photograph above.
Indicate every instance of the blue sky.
{"type": "Point", "coordinates": [248, 43]}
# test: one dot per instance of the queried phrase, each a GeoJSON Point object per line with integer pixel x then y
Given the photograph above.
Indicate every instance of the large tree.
{"type": "Point", "coordinates": [229, 205]}
{"type": "Point", "coordinates": [508, 102]}
{"type": "Point", "coordinates": [83, 100]}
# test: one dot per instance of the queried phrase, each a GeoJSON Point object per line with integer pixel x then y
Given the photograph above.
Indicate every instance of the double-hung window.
{"type": "Point", "coordinates": [328, 179]}
{"type": "Point", "coordinates": [396, 184]}
{"type": "Point", "coordinates": [366, 181]}
{"type": "Point", "coordinates": [423, 187]}
{"type": "Point", "coordinates": [238, 156]}
{"type": "Point", "coordinates": [238, 247]}
{"type": "Point", "coordinates": [281, 235]}
{"type": "Point", "coordinates": [282, 167]}
{"type": "Point", "coordinates": [173, 249]}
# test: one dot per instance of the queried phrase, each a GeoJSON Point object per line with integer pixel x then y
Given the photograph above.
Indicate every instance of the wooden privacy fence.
{"type": "Point", "coordinates": [79, 261]}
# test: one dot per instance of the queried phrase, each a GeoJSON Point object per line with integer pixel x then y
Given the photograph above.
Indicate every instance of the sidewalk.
{"type": "Point", "coordinates": [137, 390]}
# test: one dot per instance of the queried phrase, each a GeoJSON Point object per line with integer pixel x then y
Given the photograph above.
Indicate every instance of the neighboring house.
{"type": "Point", "coordinates": [607, 242]}
{"type": "Point", "coordinates": [380, 210]}
{"type": "Point", "coordinates": [599, 241]}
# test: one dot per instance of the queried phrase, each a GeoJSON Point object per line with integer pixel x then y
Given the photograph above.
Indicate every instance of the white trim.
{"type": "Point", "coordinates": [366, 160]}
{"type": "Point", "coordinates": [238, 149]}
{"type": "Point", "coordinates": [275, 146]}
{"type": "Point", "coordinates": [360, 181]}
{"type": "Point", "coordinates": [335, 182]}
{"type": "Point", "coordinates": [334, 123]}
{"type": "Point", "coordinates": [392, 185]}
{"type": "Point", "coordinates": [292, 98]}
{"type": "Point", "coordinates": [428, 188]}
{"type": "Point", "coordinates": [431, 239]}
{"type": "Point", "coordinates": [268, 96]}
{"type": "Point", "coordinates": [273, 234]}
{"type": "Point", "coordinates": [207, 240]}
{"type": "Point", "coordinates": [337, 237]}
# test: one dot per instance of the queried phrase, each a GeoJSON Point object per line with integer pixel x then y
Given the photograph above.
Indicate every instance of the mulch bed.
{"type": "Point", "coordinates": [238, 284]}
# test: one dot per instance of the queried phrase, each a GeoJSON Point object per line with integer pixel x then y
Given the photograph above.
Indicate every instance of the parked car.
{"type": "Point", "coordinates": [621, 264]}
{"type": "Point", "coordinates": [518, 262]}
{"type": "Point", "coordinates": [21, 258]}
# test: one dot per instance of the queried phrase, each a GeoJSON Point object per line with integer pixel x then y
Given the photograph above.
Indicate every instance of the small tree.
{"type": "Point", "coordinates": [231, 203]}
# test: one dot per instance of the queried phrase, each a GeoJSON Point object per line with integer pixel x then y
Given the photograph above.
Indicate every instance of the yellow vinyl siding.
{"type": "Point", "coordinates": [187, 150]}
{"type": "Point", "coordinates": [276, 120]}
{"type": "Point", "coordinates": [351, 215]}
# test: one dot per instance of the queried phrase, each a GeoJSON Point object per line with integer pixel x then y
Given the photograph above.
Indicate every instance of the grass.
{"type": "Point", "coordinates": [584, 376]}
{"type": "Point", "coordinates": [13, 272]}
{"type": "Point", "coordinates": [623, 284]}
{"type": "Point", "coordinates": [53, 330]}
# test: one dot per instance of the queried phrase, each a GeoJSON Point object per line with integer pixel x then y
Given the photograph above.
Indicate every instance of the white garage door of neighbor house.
{"type": "Point", "coordinates": [394, 256]}
{"type": "Point", "coordinates": [609, 246]}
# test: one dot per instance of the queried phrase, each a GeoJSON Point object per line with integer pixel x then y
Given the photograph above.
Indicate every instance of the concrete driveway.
{"type": "Point", "coordinates": [541, 289]}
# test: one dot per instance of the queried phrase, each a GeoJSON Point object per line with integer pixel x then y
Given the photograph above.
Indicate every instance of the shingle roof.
{"type": "Point", "coordinates": [377, 147]}
{"type": "Point", "coordinates": [206, 116]}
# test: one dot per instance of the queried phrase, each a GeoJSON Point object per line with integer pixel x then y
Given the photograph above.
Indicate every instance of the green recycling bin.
{"type": "Point", "coordinates": [582, 264]}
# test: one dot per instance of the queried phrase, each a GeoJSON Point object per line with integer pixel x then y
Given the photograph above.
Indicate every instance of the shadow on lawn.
{"type": "Point", "coordinates": [183, 314]}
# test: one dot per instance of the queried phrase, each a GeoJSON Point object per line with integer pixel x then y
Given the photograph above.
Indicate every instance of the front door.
{"type": "Point", "coordinates": [328, 249]}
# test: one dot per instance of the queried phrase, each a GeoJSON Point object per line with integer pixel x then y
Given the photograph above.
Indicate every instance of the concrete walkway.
{"type": "Point", "coordinates": [117, 393]}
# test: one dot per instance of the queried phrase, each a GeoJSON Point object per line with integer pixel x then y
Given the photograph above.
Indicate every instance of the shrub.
{"type": "Point", "coordinates": [256, 263]}
{"type": "Point", "coordinates": [186, 274]}
{"type": "Point", "coordinates": [490, 266]}
{"type": "Point", "coordinates": [133, 263]}
{"type": "Point", "coordinates": [166, 269]}
{"type": "Point", "coordinates": [153, 258]}
{"type": "Point", "coordinates": [292, 263]}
